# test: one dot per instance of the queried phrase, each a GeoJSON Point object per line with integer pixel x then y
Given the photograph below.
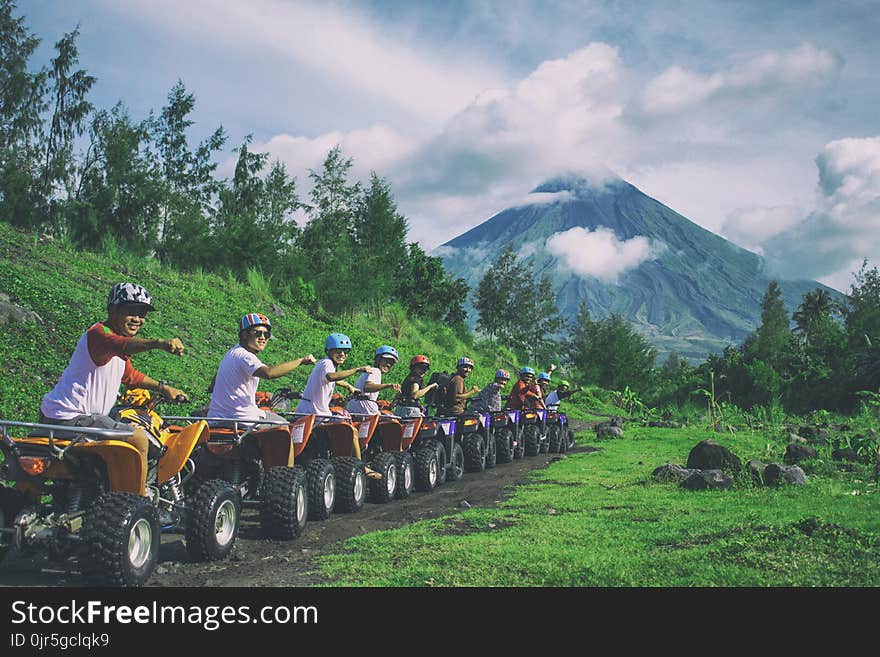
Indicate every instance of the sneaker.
{"type": "Point", "coordinates": [372, 474]}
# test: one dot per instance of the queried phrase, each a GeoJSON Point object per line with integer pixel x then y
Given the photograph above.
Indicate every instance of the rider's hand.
{"type": "Point", "coordinates": [174, 394]}
{"type": "Point", "coordinates": [395, 387]}
{"type": "Point", "coordinates": [174, 346]}
{"type": "Point", "coordinates": [309, 360]}
{"type": "Point", "coordinates": [475, 388]}
{"type": "Point", "coordinates": [365, 369]}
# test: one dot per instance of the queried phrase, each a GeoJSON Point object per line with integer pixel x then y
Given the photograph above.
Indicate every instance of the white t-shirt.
{"type": "Point", "coordinates": [318, 390]}
{"type": "Point", "coordinates": [552, 401]}
{"type": "Point", "coordinates": [235, 387]}
{"type": "Point", "coordinates": [366, 405]}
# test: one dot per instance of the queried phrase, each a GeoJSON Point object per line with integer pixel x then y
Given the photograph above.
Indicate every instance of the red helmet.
{"type": "Point", "coordinates": [420, 360]}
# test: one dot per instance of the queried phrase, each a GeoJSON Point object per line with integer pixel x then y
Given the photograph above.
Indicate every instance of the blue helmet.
{"type": "Point", "coordinates": [386, 351]}
{"type": "Point", "coordinates": [464, 360]}
{"type": "Point", "coordinates": [543, 376]}
{"type": "Point", "coordinates": [527, 370]}
{"type": "Point", "coordinates": [337, 341]}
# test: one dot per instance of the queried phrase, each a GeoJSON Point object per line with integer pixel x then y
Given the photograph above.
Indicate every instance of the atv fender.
{"type": "Point", "coordinates": [123, 464]}
{"type": "Point", "coordinates": [179, 446]}
{"type": "Point", "coordinates": [276, 447]}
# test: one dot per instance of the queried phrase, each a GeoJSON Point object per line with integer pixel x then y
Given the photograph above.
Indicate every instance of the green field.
{"type": "Point", "coordinates": [598, 519]}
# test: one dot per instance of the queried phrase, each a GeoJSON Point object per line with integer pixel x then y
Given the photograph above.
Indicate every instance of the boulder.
{"type": "Point", "coordinates": [671, 472]}
{"type": "Point", "coordinates": [605, 431]}
{"type": "Point", "coordinates": [709, 455]}
{"type": "Point", "coordinates": [795, 453]}
{"type": "Point", "coordinates": [794, 438]}
{"type": "Point", "coordinates": [703, 479]}
{"type": "Point", "coordinates": [275, 309]}
{"type": "Point", "coordinates": [776, 474]}
{"type": "Point", "coordinates": [847, 454]}
{"type": "Point", "coordinates": [756, 469]}
{"type": "Point", "coordinates": [13, 314]}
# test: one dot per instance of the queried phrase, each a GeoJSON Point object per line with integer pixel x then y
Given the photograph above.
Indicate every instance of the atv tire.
{"type": "Point", "coordinates": [532, 440]}
{"type": "Point", "coordinates": [442, 463]}
{"type": "Point", "coordinates": [212, 524]}
{"type": "Point", "coordinates": [456, 463]}
{"type": "Point", "coordinates": [474, 453]}
{"type": "Point", "coordinates": [284, 508]}
{"type": "Point", "coordinates": [554, 440]}
{"type": "Point", "coordinates": [321, 487]}
{"type": "Point", "coordinates": [120, 540]}
{"type": "Point", "coordinates": [427, 469]}
{"type": "Point", "coordinates": [351, 484]}
{"type": "Point", "coordinates": [406, 474]}
{"type": "Point", "coordinates": [491, 452]}
{"type": "Point", "coordinates": [544, 443]}
{"type": "Point", "coordinates": [11, 502]}
{"type": "Point", "coordinates": [382, 490]}
{"type": "Point", "coordinates": [504, 445]}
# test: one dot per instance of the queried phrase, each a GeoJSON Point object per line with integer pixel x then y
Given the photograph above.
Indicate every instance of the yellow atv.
{"type": "Point", "coordinates": [69, 490]}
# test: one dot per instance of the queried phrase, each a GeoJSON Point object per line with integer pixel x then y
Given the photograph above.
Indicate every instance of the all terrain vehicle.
{"type": "Point", "coordinates": [557, 432]}
{"type": "Point", "coordinates": [438, 453]}
{"type": "Point", "coordinates": [391, 441]}
{"type": "Point", "coordinates": [534, 431]}
{"type": "Point", "coordinates": [259, 462]}
{"type": "Point", "coordinates": [78, 491]}
{"type": "Point", "coordinates": [507, 430]}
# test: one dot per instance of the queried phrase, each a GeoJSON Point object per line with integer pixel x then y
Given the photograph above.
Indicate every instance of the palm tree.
{"type": "Point", "coordinates": [816, 304]}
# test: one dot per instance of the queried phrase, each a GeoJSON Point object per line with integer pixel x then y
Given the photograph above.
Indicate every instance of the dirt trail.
{"type": "Point", "coordinates": [256, 561]}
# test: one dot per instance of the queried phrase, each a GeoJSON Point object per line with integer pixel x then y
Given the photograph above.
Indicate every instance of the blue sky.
{"type": "Point", "coordinates": [756, 120]}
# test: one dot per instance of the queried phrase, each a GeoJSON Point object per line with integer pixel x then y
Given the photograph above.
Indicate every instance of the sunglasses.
{"type": "Point", "coordinates": [261, 334]}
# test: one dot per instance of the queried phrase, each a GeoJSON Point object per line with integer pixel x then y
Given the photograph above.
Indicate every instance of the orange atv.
{"type": "Point", "coordinates": [393, 438]}
{"type": "Point", "coordinates": [259, 463]}
{"type": "Point", "coordinates": [331, 452]}
{"type": "Point", "coordinates": [79, 491]}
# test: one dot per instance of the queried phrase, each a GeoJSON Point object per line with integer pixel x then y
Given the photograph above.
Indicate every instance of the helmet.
{"type": "Point", "coordinates": [420, 360]}
{"type": "Point", "coordinates": [502, 374]}
{"type": "Point", "coordinates": [464, 360]}
{"type": "Point", "coordinates": [337, 341]}
{"type": "Point", "coordinates": [527, 370]}
{"type": "Point", "coordinates": [543, 376]}
{"type": "Point", "coordinates": [253, 319]}
{"type": "Point", "coordinates": [129, 293]}
{"type": "Point", "coordinates": [387, 352]}
{"type": "Point", "coordinates": [564, 383]}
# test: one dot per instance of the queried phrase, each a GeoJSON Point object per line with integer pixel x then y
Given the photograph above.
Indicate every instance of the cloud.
{"type": "Point", "coordinates": [336, 42]}
{"type": "Point", "coordinates": [545, 198]}
{"type": "Point", "coordinates": [598, 253]}
{"type": "Point", "coordinates": [676, 89]}
{"type": "Point", "coordinates": [844, 227]}
{"type": "Point", "coordinates": [751, 227]}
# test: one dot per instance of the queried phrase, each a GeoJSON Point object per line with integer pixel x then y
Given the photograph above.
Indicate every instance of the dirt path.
{"type": "Point", "coordinates": [256, 561]}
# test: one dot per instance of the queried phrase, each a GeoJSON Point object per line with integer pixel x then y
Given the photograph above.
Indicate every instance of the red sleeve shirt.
{"type": "Point", "coordinates": [104, 344]}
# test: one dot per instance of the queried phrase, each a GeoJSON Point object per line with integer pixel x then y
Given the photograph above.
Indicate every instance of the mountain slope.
{"type": "Point", "coordinates": [695, 293]}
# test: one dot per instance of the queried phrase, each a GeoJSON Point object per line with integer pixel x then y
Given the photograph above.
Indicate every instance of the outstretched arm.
{"type": "Point", "coordinates": [274, 371]}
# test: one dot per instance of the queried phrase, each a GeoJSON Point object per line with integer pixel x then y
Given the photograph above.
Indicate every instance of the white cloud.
{"type": "Point", "coordinates": [676, 89]}
{"type": "Point", "coordinates": [844, 228]}
{"type": "Point", "coordinates": [337, 42]}
{"type": "Point", "coordinates": [598, 253]}
{"type": "Point", "coordinates": [751, 227]}
{"type": "Point", "coordinates": [544, 198]}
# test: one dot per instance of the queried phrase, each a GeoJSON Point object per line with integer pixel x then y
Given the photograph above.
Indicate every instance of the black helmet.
{"type": "Point", "coordinates": [123, 293]}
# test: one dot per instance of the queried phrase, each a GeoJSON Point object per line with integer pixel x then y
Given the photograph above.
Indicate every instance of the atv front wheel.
{"type": "Point", "coordinates": [456, 463]}
{"type": "Point", "coordinates": [405, 474]}
{"type": "Point", "coordinates": [382, 490]}
{"type": "Point", "coordinates": [441, 462]}
{"type": "Point", "coordinates": [120, 540]}
{"type": "Point", "coordinates": [285, 507]}
{"type": "Point", "coordinates": [491, 452]}
{"type": "Point", "coordinates": [212, 524]}
{"type": "Point", "coordinates": [351, 484]}
{"type": "Point", "coordinates": [427, 469]}
{"type": "Point", "coordinates": [504, 445]}
{"type": "Point", "coordinates": [532, 440]}
{"type": "Point", "coordinates": [554, 440]}
{"type": "Point", "coordinates": [321, 484]}
{"type": "Point", "coordinates": [474, 453]}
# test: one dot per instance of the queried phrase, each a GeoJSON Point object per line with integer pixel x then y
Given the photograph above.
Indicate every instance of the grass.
{"type": "Point", "coordinates": [598, 519]}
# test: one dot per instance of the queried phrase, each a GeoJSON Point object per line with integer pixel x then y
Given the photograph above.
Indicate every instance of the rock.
{"type": "Point", "coordinates": [464, 504]}
{"type": "Point", "coordinates": [703, 479]}
{"type": "Point", "coordinates": [4, 298]}
{"type": "Point", "coordinates": [13, 314]}
{"type": "Point", "coordinates": [671, 472]}
{"type": "Point", "coordinates": [709, 455]}
{"type": "Point", "coordinates": [607, 431]}
{"type": "Point", "coordinates": [847, 454]}
{"type": "Point", "coordinates": [756, 469]}
{"type": "Point", "coordinates": [275, 309]}
{"type": "Point", "coordinates": [795, 453]}
{"type": "Point", "coordinates": [794, 438]}
{"type": "Point", "coordinates": [776, 474]}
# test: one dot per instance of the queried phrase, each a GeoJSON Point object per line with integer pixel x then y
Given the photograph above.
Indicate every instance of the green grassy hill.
{"type": "Point", "coordinates": [68, 290]}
